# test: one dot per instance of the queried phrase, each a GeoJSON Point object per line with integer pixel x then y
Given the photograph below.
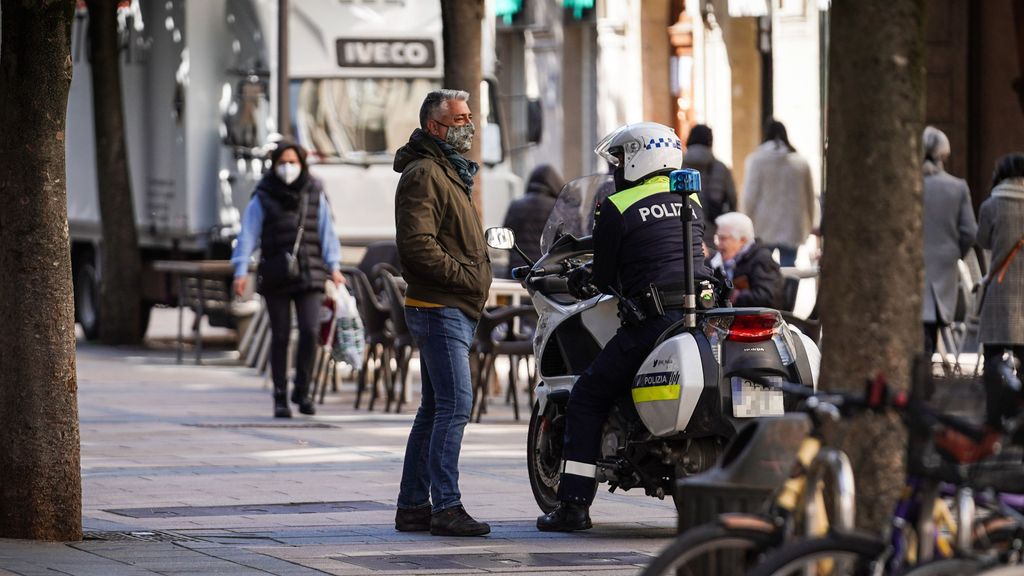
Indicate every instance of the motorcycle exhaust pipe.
{"type": "Point", "coordinates": [685, 182]}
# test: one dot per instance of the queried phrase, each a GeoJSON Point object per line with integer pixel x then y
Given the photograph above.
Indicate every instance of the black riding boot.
{"type": "Point", "coordinates": [566, 517]}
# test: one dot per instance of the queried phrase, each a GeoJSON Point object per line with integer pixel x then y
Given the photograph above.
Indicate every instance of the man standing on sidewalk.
{"type": "Point", "coordinates": [444, 261]}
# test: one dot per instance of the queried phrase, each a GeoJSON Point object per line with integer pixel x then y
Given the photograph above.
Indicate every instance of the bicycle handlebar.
{"type": "Point", "coordinates": [877, 398]}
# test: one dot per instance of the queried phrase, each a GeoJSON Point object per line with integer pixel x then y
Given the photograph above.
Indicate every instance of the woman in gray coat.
{"type": "Point", "coordinates": [949, 231]}
{"type": "Point", "coordinates": [1001, 230]}
{"type": "Point", "coordinates": [778, 194]}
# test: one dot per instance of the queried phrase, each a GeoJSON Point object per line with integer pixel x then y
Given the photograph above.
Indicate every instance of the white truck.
{"type": "Point", "coordinates": [200, 90]}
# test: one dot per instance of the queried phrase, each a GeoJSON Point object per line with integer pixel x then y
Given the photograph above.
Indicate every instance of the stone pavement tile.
{"type": "Point", "coordinates": [259, 561]}
{"type": "Point", "coordinates": [227, 569]}
{"type": "Point", "coordinates": [50, 559]}
{"type": "Point", "coordinates": [24, 568]}
{"type": "Point", "coordinates": [93, 524]}
{"type": "Point", "coordinates": [133, 549]}
{"type": "Point", "coordinates": [323, 540]}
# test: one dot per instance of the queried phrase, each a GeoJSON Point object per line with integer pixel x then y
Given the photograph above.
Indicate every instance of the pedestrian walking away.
{"type": "Point", "coordinates": [639, 249]}
{"type": "Point", "coordinates": [445, 264]}
{"type": "Point", "coordinates": [949, 231]}
{"type": "Point", "coordinates": [1001, 230]}
{"type": "Point", "coordinates": [527, 215]}
{"type": "Point", "coordinates": [718, 190]}
{"type": "Point", "coordinates": [778, 194]}
{"type": "Point", "coordinates": [289, 220]}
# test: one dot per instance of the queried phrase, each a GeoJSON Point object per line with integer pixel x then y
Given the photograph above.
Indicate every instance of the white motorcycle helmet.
{"type": "Point", "coordinates": [639, 150]}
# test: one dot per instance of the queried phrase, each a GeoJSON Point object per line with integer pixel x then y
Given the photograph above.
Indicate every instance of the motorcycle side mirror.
{"type": "Point", "coordinates": [501, 238]}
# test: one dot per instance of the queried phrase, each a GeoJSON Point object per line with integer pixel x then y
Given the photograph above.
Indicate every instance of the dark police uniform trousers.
{"type": "Point", "coordinates": [607, 379]}
{"type": "Point", "coordinates": [638, 241]}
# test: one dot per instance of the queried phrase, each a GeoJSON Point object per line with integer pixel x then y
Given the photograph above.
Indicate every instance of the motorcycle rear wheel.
{"type": "Point", "coordinates": [544, 454]}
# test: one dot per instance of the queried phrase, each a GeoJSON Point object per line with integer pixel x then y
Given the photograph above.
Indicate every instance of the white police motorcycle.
{"type": "Point", "coordinates": [703, 378]}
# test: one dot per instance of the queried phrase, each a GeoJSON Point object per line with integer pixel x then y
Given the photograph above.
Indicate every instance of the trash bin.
{"type": "Point", "coordinates": [754, 465]}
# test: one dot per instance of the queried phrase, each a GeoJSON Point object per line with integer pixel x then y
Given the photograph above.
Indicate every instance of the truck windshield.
{"type": "Point", "coordinates": [357, 120]}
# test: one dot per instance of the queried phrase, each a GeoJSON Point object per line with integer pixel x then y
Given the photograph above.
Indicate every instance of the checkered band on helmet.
{"type": "Point", "coordinates": [642, 150]}
{"type": "Point", "coordinates": [664, 143]}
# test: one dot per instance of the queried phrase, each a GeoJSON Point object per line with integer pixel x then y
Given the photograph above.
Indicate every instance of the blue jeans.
{"type": "Point", "coordinates": [431, 470]}
{"type": "Point", "coordinates": [787, 254]}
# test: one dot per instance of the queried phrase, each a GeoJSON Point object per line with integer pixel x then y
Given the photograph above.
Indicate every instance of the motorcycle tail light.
{"type": "Point", "coordinates": [753, 327]}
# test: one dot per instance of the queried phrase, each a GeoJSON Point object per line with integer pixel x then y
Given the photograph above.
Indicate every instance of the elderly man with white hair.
{"type": "Point", "coordinates": [756, 278]}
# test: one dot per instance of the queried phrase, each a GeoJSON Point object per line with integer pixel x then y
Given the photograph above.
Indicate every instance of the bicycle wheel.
{"type": "Point", "coordinates": [716, 549]}
{"type": "Point", "coordinates": [948, 567]}
{"type": "Point", "coordinates": [833, 555]}
{"type": "Point", "coordinates": [1002, 571]}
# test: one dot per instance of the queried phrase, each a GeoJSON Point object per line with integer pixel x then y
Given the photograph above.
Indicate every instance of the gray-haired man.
{"type": "Point", "coordinates": [444, 261]}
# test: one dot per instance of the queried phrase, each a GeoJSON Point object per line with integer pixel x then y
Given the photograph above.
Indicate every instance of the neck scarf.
{"type": "Point", "coordinates": [464, 166]}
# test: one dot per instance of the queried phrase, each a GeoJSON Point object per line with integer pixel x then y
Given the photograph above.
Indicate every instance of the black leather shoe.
{"type": "Point", "coordinates": [413, 519]}
{"type": "Point", "coordinates": [566, 517]}
{"type": "Point", "coordinates": [281, 409]}
{"type": "Point", "coordinates": [455, 521]}
{"type": "Point", "coordinates": [305, 404]}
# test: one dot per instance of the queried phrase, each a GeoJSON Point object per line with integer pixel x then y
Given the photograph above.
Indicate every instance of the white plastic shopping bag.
{"type": "Point", "coordinates": [349, 338]}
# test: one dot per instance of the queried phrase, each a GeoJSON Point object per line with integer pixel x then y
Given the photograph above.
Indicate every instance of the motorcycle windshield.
{"type": "Point", "coordinates": [573, 212]}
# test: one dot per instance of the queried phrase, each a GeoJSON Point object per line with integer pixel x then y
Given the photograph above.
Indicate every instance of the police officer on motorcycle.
{"type": "Point", "coordinates": [639, 255]}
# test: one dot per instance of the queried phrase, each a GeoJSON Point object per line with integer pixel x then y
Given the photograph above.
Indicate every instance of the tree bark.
{"type": "Point", "coordinates": [872, 273]}
{"type": "Point", "coordinates": [461, 22]}
{"type": "Point", "coordinates": [40, 481]}
{"type": "Point", "coordinates": [120, 264]}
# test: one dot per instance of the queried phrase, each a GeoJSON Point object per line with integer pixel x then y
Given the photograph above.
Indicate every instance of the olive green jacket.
{"type": "Point", "coordinates": [440, 238]}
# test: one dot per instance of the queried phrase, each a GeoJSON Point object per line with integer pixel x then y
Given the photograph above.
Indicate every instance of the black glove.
{"type": "Point", "coordinates": [579, 284]}
{"type": "Point", "coordinates": [723, 286]}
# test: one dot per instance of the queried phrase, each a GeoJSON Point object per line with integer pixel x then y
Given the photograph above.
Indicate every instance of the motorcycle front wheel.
{"type": "Point", "coordinates": [544, 453]}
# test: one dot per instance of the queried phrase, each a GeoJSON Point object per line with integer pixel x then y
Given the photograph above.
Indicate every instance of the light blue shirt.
{"type": "Point", "coordinates": [252, 230]}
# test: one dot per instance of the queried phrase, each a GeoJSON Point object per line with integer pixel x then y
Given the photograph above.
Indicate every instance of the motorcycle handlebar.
{"type": "Point", "coordinates": [549, 284]}
{"type": "Point", "coordinates": [551, 270]}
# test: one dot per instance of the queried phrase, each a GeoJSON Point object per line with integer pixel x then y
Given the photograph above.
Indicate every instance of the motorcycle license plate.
{"type": "Point", "coordinates": [751, 399]}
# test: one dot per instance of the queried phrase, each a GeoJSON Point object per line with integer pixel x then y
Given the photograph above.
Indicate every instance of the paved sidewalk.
{"type": "Point", "coordinates": [185, 473]}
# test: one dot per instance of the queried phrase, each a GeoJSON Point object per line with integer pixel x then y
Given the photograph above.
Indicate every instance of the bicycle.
{"type": "Point", "coordinates": [734, 542]}
{"type": "Point", "coordinates": [945, 450]}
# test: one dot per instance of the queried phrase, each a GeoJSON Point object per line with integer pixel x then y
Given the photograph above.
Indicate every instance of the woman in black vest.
{"type": "Point", "coordinates": [289, 220]}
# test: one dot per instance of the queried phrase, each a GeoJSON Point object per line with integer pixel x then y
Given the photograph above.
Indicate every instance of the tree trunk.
{"type": "Point", "coordinates": [872, 273]}
{"type": "Point", "coordinates": [120, 264]}
{"type": "Point", "coordinates": [461, 22]}
{"type": "Point", "coordinates": [40, 481]}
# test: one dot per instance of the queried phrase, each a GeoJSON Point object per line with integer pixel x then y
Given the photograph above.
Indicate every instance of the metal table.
{"type": "Point", "coordinates": [200, 270]}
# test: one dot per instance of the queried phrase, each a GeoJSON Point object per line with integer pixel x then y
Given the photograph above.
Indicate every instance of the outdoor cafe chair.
{"type": "Point", "coordinates": [402, 344]}
{"type": "Point", "coordinates": [490, 343]}
{"type": "Point", "coordinates": [375, 314]}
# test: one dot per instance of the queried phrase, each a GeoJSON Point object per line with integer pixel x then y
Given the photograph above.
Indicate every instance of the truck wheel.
{"type": "Point", "coordinates": [87, 297]}
{"type": "Point", "coordinates": [544, 454]}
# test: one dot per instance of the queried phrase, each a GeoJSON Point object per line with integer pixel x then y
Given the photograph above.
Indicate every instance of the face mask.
{"type": "Point", "coordinates": [461, 137]}
{"type": "Point", "coordinates": [288, 173]}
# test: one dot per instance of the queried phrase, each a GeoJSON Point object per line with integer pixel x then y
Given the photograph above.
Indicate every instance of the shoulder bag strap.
{"type": "Point", "coordinates": [1000, 271]}
{"type": "Point", "coordinates": [302, 222]}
